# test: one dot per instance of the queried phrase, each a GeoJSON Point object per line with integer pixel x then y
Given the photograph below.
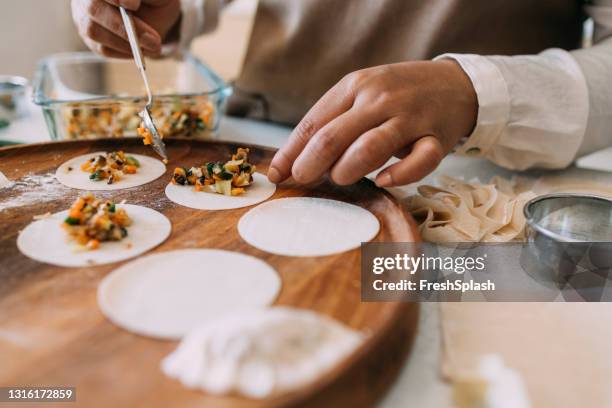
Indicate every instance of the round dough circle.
{"type": "Point", "coordinates": [168, 294]}
{"type": "Point", "coordinates": [46, 241]}
{"type": "Point", "coordinates": [150, 169]}
{"type": "Point", "coordinates": [306, 226]}
{"type": "Point", "coordinates": [259, 191]}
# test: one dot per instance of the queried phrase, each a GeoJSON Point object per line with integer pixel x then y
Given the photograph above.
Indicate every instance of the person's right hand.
{"type": "Point", "coordinates": [101, 27]}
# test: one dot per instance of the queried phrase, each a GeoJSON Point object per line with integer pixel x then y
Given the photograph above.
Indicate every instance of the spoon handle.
{"type": "Point", "coordinates": [136, 50]}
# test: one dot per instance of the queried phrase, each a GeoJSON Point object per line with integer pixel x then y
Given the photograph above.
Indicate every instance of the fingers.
{"type": "Point", "coordinates": [426, 154]}
{"type": "Point", "coordinates": [106, 51]}
{"type": "Point", "coordinates": [370, 151]}
{"type": "Point", "coordinates": [99, 14]}
{"type": "Point", "coordinates": [134, 5]}
{"type": "Point", "coordinates": [334, 103]}
{"type": "Point", "coordinates": [111, 53]}
{"type": "Point", "coordinates": [107, 39]}
{"type": "Point", "coordinates": [328, 144]}
{"type": "Point", "coordinates": [127, 4]}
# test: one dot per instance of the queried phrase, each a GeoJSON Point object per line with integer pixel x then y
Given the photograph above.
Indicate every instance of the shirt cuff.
{"type": "Point", "coordinates": [193, 20]}
{"type": "Point", "coordinates": [197, 17]}
{"type": "Point", "coordinates": [493, 102]}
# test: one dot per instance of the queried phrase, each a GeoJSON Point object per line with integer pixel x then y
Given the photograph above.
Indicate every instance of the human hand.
{"type": "Point", "coordinates": [415, 110]}
{"type": "Point", "coordinates": [100, 25]}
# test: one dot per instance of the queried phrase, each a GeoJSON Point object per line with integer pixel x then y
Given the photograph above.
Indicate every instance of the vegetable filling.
{"type": "Point", "coordinates": [91, 221]}
{"type": "Point", "coordinates": [190, 116]}
{"type": "Point", "coordinates": [230, 178]}
{"type": "Point", "coordinates": [111, 167]}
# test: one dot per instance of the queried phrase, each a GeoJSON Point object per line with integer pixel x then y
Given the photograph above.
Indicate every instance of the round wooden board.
{"type": "Point", "coordinates": [52, 333]}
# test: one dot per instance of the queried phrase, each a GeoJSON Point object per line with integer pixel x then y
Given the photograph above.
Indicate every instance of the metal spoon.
{"type": "Point", "coordinates": [158, 144]}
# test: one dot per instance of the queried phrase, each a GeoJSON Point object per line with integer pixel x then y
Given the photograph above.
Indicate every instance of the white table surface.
{"type": "Point", "coordinates": [419, 383]}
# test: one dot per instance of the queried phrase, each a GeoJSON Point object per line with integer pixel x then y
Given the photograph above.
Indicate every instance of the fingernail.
{"type": "Point", "coordinates": [384, 180]}
{"type": "Point", "coordinates": [148, 41]}
{"type": "Point", "coordinates": [274, 175]}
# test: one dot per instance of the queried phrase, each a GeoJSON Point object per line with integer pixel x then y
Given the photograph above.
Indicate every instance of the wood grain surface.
{"type": "Point", "coordinates": [52, 333]}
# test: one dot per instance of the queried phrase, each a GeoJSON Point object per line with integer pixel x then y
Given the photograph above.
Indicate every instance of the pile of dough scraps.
{"type": "Point", "coordinates": [457, 211]}
{"type": "Point", "coordinates": [111, 166]}
{"type": "Point", "coordinates": [91, 221]}
{"type": "Point", "coordinates": [230, 178]}
{"type": "Point", "coordinates": [261, 353]}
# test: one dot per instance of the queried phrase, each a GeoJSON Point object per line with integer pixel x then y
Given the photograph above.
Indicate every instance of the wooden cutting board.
{"type": "Point", "coordinates": [52, 333]}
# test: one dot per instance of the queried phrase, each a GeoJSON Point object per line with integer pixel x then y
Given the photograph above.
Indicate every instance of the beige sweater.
{"type": "Point", "coordinates": [541, 102]}
{"type": "Point", "coordinates": [301, 48]}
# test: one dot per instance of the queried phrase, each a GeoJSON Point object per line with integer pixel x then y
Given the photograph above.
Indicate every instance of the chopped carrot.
{"type": "Point", "coordinates": [129, 169]}
{"type": "Point", "coordinates": [146, 135]}
{"type": "Point", "coordinates": [74, 213]}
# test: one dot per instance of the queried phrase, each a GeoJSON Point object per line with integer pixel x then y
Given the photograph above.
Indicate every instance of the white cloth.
{"type": "Point", "coordinates": [534, 110]}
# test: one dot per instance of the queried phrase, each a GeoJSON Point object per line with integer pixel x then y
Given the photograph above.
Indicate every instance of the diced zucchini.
{"type": "Point", "coordinates": [200, 124]}
{"type": "Point", "coordinates": [233, 165]}
{"type": "Point", "coordinates": [242, 180]}
{"type": "Point", "coordinates": [217, 168]}
{"type": "Point", "coordinates": [209, 169]}
{"type": "Point", "coordinates": [106, 224]}
{"type": "Point", "coordinates": [224, 187]}
{"type": "Point", "coordinates": [96, 175]}
{"type": "Point", "coordinates": [226, 175]}
{"type": "Point", "coordinates": [133, 161]}
{"type": "Point", "coordinates": [72, 221]}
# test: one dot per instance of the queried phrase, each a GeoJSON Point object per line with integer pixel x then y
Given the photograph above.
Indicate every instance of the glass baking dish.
{"type": "Point", "coordinates": [84, 96]}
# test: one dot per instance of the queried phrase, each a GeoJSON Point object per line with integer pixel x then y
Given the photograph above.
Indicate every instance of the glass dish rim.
{"type": "Point", "coordinates": [222, 89]}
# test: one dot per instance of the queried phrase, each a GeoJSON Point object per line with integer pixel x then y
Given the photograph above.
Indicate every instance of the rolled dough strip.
{"type": "Point", "coordinates": [457, 211]}
{"type": "Point", "coordinates": [187, 196]}
{"type": "Point", "coordinates": [46, 241]}
{"type": "Point", "coordinates": [150, 169]}
{"type": "Point", "coordinates": [165, 295]}
{"type": "Point", "coordinates": [306, 226]}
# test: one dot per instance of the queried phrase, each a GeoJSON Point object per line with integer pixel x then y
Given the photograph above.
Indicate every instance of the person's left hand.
{"type": "Point", "coordinates": [415, 110]}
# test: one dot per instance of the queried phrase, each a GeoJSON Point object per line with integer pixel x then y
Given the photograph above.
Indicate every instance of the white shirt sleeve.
{"type": "Point", "coordinates": [543, 110]}
{"type": "Point", "coordinates": [198, 17]}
